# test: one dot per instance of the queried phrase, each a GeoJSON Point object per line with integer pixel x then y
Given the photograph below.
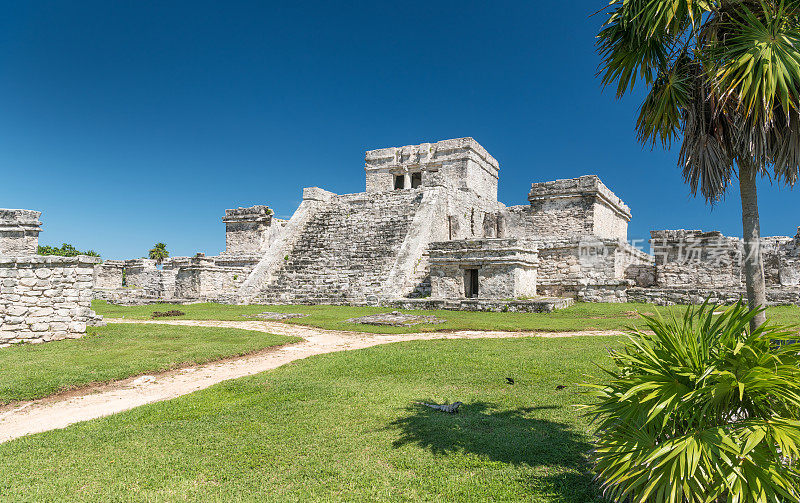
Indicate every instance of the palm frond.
{"type": "Point", "coordinates": [757, 65]}
{"type": "Point", "coordinates": [661, 113]}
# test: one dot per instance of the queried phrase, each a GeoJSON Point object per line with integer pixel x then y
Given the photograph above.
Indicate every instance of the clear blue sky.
{"type": "Point", "coordinates": [131, 122]}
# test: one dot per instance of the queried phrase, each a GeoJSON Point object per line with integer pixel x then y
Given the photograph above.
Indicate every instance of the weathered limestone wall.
{"type": "Point", "coordinates": [587, 268]}
{"type": "Point", "coordinates": [250, 230]}
{"type": "Point", "coordinates": [109, 274]}
{"type": "Point", "coordinates": [691, 258]}
{"type": "Point", "coordinates": [45, 298]}
{"type": "Point", "coordinates": [19, 232]}
{"type": "Point", "coordinates": [571, 207]}
{"type": "Point", "coordinates": [42, 298]}
{"type": "Point", "coordinates": [142, 273]}
{"type": "Point", "coordinates": [690, 265]}
{"type": "Point", "coordinates": [506, 268]}
{"type": "Point", "coordinates": [460, 163]}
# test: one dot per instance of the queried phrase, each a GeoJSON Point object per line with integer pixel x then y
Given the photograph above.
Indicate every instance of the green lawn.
{"type": "Point", "coordinates": [340, 427]}
{"type": "Point", "coordinates": [583, 316]}
{"type": "Point", "coordinates": [118, 351]}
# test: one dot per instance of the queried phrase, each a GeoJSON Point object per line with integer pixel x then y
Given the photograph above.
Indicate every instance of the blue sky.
{"type": "Point", "coordinates": [131, 122]}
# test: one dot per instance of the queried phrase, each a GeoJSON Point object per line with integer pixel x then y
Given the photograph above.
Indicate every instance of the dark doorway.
{"type": "Point", "coordinates": [470, 283]}
{"type": "Point", "coordinates": [399, 182]}
{"type": "Point", "coordinates": [416, 180]}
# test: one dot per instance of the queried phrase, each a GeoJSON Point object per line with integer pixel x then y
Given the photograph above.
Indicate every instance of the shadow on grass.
{"type": "Point", "coordinates": [515, 436]}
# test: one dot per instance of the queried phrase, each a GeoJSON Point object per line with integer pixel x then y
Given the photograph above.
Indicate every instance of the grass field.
{"type": "Point", "coordinates": [582, 316]}
{"type": "Point", "coordinates": [116, 352]}
{"type": "Point", "coordinates": [340, 427]}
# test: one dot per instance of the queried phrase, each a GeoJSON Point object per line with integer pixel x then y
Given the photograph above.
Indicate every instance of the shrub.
{"type": "Point", "coordinates": [701, 409]}
{"type": "Point", "coordinates": [66, 250]}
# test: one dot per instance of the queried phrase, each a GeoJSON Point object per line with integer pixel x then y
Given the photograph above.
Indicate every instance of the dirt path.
{"type": "Point", "coordinates": [90, 403]}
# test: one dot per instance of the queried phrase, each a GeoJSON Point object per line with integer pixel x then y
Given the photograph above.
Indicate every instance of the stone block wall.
{"type": "Point", "coordinates": [571, 207]}
{"type": "Point", "coordinates": [144, 274]}
{"type": "Point", "coordinates": [109, 274]}
{"type": "Point", "coordinates": [587, 268]}
{"type": "Point", "coordinates": [460, 163]}
{"type": "Point", "coordinates": [506, 268]}
{"type": "Point", "coordinates": [250, 230]}
{"type": "Point", "coordinates": [19, 232]}
{"type": "Point", "coordinates": [45, 298]}
{"type": "Point", "coordinates": [691, 258]}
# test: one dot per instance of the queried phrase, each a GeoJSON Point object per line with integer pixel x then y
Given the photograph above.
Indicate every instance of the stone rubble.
{"type": "Point", "coordinates": [396, 319]}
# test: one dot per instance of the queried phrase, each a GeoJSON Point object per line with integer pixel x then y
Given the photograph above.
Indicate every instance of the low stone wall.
{"type": "Point", "coordinates": [45, 298]}
{"type": "Point", "coordinates": [673, 296]}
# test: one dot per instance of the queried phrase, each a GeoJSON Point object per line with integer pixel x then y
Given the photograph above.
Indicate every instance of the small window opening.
{"type": "Point", "coordinates": [399, 182]}
{"type": "Point", "coordinates": [416, 180]}
{"type": "Point", "coordinates": [470, 283]}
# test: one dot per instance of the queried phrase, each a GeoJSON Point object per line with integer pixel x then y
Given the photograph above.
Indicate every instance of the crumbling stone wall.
{"type": "Point", "coordinates": [42, 298]}
{"type": "Point", "coordinates": [692, 265]}
{"type": "Point", "coordinates": [250, 230]}
{"type": "Point", "coordinates": [19, 232]}
{"type": "Point", "coordinates": [109, 274]}
{"type": "Point", "coordinates": [688, 258]}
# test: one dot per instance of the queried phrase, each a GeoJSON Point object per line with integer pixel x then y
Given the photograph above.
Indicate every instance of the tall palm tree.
{"type": "Point", "coordinates": [724, 77]}
{"type": "Point", "coordinates": [159, 252]}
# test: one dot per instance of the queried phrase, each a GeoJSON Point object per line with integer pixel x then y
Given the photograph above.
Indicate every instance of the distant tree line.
{"type": "Point", "coordinates": [66, 250]}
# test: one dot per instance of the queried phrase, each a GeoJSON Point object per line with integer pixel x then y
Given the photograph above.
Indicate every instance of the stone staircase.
{"type": "Point", "coordinates": [345, 251]}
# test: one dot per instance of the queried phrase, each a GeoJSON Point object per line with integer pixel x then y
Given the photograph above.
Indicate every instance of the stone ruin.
{"type": "Point", "coordinates": [42, 298]}
{"type": "Point", "coordinates": [249, 233]}
{"type": "Point", "coordinates": [429, 232]}
{"type": "Point", "coordinates": [691, 265]}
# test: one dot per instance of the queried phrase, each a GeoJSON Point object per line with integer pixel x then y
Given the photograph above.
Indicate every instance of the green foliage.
{"type": "Point", "coordinates": [722, 76]}
{"type": "Point", "coordinates": [66, 250]}
{"type": "Point", "coordinates": [700, 409]}
{"type": "Point", "coordinates": [158, 252]}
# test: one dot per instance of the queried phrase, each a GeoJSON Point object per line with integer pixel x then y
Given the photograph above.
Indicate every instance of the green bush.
{"type": "Point", "coordinates": [66, 250]}
{"type": "Point", "coordinates": [699, 409]}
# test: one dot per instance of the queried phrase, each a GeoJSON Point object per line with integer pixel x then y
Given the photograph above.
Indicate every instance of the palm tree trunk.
{"type": "Point", "coordinates": [751, 233]}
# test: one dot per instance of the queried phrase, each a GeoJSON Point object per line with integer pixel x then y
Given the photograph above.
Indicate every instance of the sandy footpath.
{"type": "Point", "coordinates": [58, 411]}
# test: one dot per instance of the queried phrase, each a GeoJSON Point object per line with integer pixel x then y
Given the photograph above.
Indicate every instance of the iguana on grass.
{"type": "Point", "coordinates": [449, 408]}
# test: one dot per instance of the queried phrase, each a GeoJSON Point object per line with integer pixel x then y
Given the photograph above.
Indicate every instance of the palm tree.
{"type": "Point", "coordinates": [159, 252]}
{"type": "Point", "coordinates": [724, 77]}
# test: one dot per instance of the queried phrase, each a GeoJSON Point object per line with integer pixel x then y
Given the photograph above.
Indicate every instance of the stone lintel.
{"type": "Point", "coordinates": [481, 252]}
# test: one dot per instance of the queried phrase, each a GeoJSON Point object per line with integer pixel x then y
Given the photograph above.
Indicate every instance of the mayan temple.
{"type": "Point", "coordinates": [428, 232]}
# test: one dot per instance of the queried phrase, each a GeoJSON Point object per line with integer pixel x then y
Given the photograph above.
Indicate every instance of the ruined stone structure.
{"type": "Point", "coordinates": [429, 232]}
{"type": "Point", "coordinates": [691, 265]}
{"type": "Point", "coordinates": [42, 298]}
{"type": "Point", "coordinates": [430, 226]}
{"type": "Point", "coordinates": [249, 233]}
